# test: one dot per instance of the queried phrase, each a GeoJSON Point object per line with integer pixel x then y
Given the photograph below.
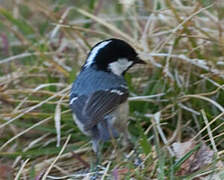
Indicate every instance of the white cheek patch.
{"type": "Point", "coordinates": [94, 52]}
{"type": "Point", "coordinates": [119, 66]}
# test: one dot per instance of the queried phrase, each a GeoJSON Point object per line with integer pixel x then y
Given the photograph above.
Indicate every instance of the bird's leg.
{"type": "Point", "coordinates": [130, 144]}
{"type": "Point", "coordinates": [97, 148]}
{"type": "Point", "coordinates": [126, 139]}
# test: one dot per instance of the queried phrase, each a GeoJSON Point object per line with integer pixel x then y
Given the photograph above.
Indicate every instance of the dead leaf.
{"type": "Point", "coordinates": [6, 172]}
{"type": "Point", "coordinates": [202, 158]}
{"type": "Point", "coordinates": [198, 160]}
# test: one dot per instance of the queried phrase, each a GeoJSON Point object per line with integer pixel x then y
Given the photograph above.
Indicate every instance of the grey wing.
{"type": "Point", "coordinates": [101, 103]}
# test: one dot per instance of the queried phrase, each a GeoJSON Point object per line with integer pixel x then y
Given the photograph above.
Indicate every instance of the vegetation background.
{"type": "Point", "coordinates": [177, 96]}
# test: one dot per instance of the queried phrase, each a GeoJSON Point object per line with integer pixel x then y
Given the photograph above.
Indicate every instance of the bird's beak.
{"type": "Point", "coordinates": [139, 61]}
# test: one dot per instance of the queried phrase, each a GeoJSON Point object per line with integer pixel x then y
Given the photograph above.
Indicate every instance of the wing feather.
{"type": "Point", "coordinates": [90, 110]}
{"type": "Point", "coordinates": [101, 103]}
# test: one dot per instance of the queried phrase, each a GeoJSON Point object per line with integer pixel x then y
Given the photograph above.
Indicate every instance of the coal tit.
{"type": "Point", "coordinates": [99, 94]}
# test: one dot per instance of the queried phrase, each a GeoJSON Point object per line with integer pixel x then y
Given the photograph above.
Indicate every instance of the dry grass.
{"type": "Point", "coordinates": [178, 95]}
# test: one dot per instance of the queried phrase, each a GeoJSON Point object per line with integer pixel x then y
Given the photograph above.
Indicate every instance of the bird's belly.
{"type": "Point", "coordinates": [121, 114]}
{"type": "Point", "coordinates": [118, 118]}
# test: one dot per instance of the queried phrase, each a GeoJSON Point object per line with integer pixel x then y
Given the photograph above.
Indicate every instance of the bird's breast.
{"type": "Point", "coordinates": [120, 115]}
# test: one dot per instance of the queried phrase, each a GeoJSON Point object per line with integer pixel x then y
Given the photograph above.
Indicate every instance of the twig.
{"type": "Point", "coordinates": [55, 160]}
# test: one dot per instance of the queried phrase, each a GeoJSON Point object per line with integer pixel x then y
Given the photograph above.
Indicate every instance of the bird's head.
{"type": "Point", "coordinates": [112, 55]}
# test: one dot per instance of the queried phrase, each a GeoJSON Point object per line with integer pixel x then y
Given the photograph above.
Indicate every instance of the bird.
{"type": "Point", "coordinates": [99, 94]}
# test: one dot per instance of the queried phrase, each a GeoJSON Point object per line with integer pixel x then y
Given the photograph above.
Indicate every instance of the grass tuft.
{"type": "Point", "coordinates": [177, 96]}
